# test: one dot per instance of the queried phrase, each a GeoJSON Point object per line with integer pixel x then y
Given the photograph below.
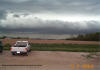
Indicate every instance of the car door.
{"type": "Point", "coordinates": [1, 47]}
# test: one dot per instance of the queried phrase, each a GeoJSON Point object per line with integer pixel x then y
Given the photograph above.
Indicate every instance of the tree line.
{"type": "Point", "coordinates": [87, 37]}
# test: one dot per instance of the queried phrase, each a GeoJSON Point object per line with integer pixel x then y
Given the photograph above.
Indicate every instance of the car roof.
{"type": "Point", "coordinates": [22, 41]}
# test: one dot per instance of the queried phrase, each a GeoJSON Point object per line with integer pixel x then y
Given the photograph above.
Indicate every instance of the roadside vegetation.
{"type": "Point", "coordinates": [61, 47]}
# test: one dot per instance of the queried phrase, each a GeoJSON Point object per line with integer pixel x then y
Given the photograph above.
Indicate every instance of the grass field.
{"type": "Point", "coordinates": [62, 47]}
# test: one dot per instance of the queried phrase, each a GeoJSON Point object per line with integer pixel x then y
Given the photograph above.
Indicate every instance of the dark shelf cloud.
{"type": "Point", "coordinates": [50, 16]}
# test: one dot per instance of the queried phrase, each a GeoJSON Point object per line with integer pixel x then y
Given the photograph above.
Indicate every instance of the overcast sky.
{"type": "Point", "coordinates": [50, 16]}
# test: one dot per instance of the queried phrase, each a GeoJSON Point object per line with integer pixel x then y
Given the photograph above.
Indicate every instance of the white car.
{"type": "Point", "coordinates": [21, 47]}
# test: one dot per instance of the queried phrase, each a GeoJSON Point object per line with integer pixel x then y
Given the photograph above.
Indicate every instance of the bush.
{"type": "Point", "coordinates": [6, 46]}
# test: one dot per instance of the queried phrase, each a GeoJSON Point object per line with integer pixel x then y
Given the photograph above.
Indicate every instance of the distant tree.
{"type": "Point", "coordinates": [3, 37]}
{"type": "Point", "coordinates": [80, 37]}
{"type": "Point", "coordinates": [88, 37]}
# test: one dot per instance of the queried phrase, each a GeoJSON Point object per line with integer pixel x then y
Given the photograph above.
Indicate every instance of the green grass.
{"type": "Point", "coordinates": [63, 47]}
{"type": "Point", "coordinates": [66, 47]}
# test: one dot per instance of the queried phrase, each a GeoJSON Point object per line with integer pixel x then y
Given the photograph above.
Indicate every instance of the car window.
{"type": "Point", "coordinates": [21, 44]}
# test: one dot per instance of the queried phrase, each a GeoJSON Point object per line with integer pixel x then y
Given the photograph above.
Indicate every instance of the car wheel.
{"type": "Point", "coordinates": [13, 53]}
{"type": "Point", "coordinates": [30, 50]}
{"type": "Point", "coordinates": [26, 54]}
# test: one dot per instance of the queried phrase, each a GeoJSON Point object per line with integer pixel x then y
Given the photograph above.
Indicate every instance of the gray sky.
{"type": "Point", "coordinates": [50, 16]}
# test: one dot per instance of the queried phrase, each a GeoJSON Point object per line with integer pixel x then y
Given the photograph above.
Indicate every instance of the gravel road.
{"type": "Point", "coordinates": [48, 60]}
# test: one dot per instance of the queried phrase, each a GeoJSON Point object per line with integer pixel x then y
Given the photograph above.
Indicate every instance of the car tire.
{"type": "Point", "coordinates": [26, 54]}
{"type": "Point", "coordinates": [13, 53]}
{"type": "Point", "coordinates": [1, 51]}
{"type": "Point", "coordinates": [30, 50]}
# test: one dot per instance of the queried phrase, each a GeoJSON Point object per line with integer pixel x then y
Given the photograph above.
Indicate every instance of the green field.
{"type": "Point", "coordinates": [62, 47]}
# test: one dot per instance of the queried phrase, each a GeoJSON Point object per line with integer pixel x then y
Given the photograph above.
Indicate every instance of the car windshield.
{"type": "Point", "coordinates": [21, 44]}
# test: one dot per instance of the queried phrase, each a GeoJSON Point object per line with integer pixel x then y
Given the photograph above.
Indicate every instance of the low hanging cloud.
{"type": "Point", "coordinates": [30, 23]}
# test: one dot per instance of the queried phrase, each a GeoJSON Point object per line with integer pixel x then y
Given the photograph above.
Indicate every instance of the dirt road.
{"type": "Point", "coordinates": [49, 60]}
{"type": "Point", "coordinates": [12, 41]}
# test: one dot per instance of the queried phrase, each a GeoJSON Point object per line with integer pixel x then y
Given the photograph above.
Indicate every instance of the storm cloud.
{"type": "Point", "coordinates": [3, 14]}
{"type": "Point", "coordinates": [50, 16]}
{"type": "Point", "coordinates": [30, 23]}
{"type": "Point", "coordinates": [53, 6]}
